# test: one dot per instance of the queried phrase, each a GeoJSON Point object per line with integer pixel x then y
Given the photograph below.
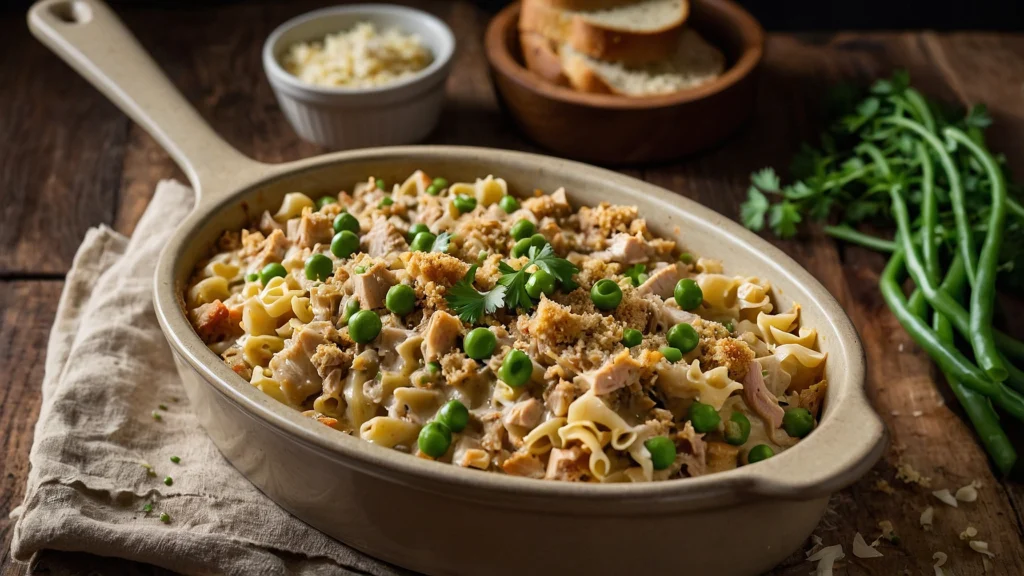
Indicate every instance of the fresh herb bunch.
{"type": "Point", "coordinates": [894, 160]}
{"type": "Point", "coordinates": [510, 291]}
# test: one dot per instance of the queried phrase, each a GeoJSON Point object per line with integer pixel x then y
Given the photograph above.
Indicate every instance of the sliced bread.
{"type": "Point", "coordinates": [541, 57]}
{"type": "Point", "coordinates": [635, 33]}
{"type": "Point", "coordinates": [694, 62]}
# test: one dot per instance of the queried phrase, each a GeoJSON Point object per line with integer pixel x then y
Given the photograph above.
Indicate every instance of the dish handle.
{"type": "Point", "coordinates": [92, 39]}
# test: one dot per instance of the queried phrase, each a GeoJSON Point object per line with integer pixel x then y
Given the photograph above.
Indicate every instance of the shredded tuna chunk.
{"type": "Point", "coordinates": [759, 399]}
{"type": "Point", "coordinates": [213, 322]}
{"type": "Point", "coordinates": [293, 368]}
{"type": "Point", "coordinates": [314, 228]}
{"type": "Point", "coordinates": [440, 336]}
{"type": "Point", "coordinates": [691, 450]}
{"type": "Point", "coordinates": [372, 286]}
{"type": "Point", "coordinates": [275, 246]}
{"type": "Point", "coordinates": [617, 373]}
{"type": "Point", "coordinates": [525, 414]}
{"type": "Point", "coordinates": [383, 238]}
{"type": "Point", "coordinates": [568, 464]}
{"type": "Point", "coordinates": [625, 249]}
{"type": "Point", "coordinates": [662, 281]}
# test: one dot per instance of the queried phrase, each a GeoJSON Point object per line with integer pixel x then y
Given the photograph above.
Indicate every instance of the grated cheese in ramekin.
{"type": "Point", "coordinates": [358, 58]}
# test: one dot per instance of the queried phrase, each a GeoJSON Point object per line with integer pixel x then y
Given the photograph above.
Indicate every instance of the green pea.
{"type": "Point", "coordinates": [479, 343]}
{"type": "Point", "coordinates": [319, 267]}
{"type": "Point", "coordinates": [688, 294]}
{"type": "Point", "coordinates": [364, 326]}
{"type": "Point", "coordinates": [737, 429]}
{"type": "Point", "coordinates": [434, 439]}
{"type": "Point", "coordinates": [683, 336]}
{"type": "Point", "coordinates": [760, 452]}
{"type": "Point", "coordinates": [663, 451]}
{"type": "Point", "coordinates": [439, 183]}
{"type": "Point", "coordinates": [433, 190]}
{"type": "Point", "coordinates": [416, 229]}
{"type": "Point", "coordinates": [252, 277]}
{"type": "Point", "coordinates": [422, 242]}
{"type": "Point", "coordinates": [481, 255]}
{"type": "Point", "coordinates": [538, 241]}
{"type": "Point", "coordinates": [454, 415]}
{"type": "Point", "coordinates": [346, 221]}
{"type": "Point", "coordinates": [380, 183]}
{"type": "Point", "coordinates": [385, 201]}
{"type": "Point", "coordinates": [271, 271]}
{"type": "Point", "coordinates": [401, 299]}
{"type": "Point", "coordinates": [433, 367]}
{"type": "Point", "coordinates": [729, 326]}
{"type": "Point", "coordinates": [632, 337]}
{"type": "Point", "coordinates": [351, 307]}
{"type": "Point", "coordinates": [686, 258]}
{"type": "Point", "coordinates": [606, 294]}
{"type": "Point", "coordinates": [165, 517]}
{"type": "Point", "coordinates": [798, 422]}
{"type": "Point", "coordinates": [325, 200]}
{"type": "Point", "coordinates": [704, 417]}
{"type": "Point", "coordinates": [522, 229]}
{"type": "Point", "coordinates": [540, 282]}
{"type": "Point", "coordinates": [671, 354]}
{"type": "Point", "coordinates": [359, 269]}
{"type": "Point", "coordinates": [640, 278]}
{"type": "Point", "coordinates": [464, 203]}
{"type": "Point", "coordinates": [508, 203]}
{"type": "Point", "coordinates": [344, 244]}
{"type": "Point", "coordinates": [516, 369]}
{"type": "Point", "coordinates": [521, 248]}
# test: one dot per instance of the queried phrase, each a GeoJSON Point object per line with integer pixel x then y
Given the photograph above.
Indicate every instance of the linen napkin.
{"type": "Point", "coordinates": [114, 410]}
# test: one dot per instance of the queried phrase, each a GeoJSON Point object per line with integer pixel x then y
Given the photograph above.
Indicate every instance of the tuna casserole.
{"type": "Point", "coordinates": [519, 336]}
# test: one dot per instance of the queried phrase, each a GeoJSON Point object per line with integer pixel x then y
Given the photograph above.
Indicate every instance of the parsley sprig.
{"type": "Point", "coordinates": [516, 297]}
{"type": "Point", "coordinates": [441, 243]}
{"type": "Point", "coordinates": [469, 303]}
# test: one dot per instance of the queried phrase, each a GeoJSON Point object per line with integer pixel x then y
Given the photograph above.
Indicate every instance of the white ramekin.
{"type": "Point", "coordinates": [344, 118]}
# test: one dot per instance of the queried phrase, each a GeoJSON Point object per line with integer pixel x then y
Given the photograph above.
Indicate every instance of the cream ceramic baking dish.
{"type": "Point", "coordinates": [438, 518]}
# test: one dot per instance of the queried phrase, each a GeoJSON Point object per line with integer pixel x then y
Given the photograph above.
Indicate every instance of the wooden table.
{"type": "Point", "coordinates": [69, 160]}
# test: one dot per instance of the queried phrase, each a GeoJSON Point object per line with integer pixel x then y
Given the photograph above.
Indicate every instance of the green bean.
{"type": "Point", "coordinates": [965, 240]}
{"type": "Point", "coordinates": [947, 357]}
{"type": "Point", "coordinates": [984, 293]}
{"type": "Point", "coordinates": [918, 103]}
{"type": "Point", "coordinates": [940, 300]}
{"type": "Point", "coordinates": [930, 212]}
{"type": "Point", "coordinates": [978, 409]}
{"type": "Point", "coordinates": [848, 234]}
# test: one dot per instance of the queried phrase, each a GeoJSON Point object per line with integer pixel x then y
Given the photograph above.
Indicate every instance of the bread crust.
{"type": "Point", "coordinates": [541, 58]}
{"type": "Point", "coordinates": [601, 43]}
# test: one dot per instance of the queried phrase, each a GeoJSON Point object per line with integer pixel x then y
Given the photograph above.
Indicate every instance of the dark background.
{"type": "Point", "coordinates": [786, 15]}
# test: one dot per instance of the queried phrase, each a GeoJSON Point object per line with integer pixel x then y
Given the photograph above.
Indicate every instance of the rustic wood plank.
{"type": "Point", "coordinates": [27, 310]}
{"type": "Point", "coordinates": [61, 144]}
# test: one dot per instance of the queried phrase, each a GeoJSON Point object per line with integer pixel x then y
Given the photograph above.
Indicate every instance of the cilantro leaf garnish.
{"type": "Point", "coordinates": [469, 303]}
{"type": "Point", "coordinates": [514, 280]}
{"type": "Point", "coordinates": [441, 243]}
{"type": "Point", "coordinates": [766, 179]}
{"type": "Point", "coordinates": [783, 218]}
{"type": "Point", "coordinates": [753, 210]}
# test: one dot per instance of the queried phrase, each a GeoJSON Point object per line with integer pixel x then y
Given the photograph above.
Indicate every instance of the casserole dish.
{"type": "Point", "coordinates": [433, 517]}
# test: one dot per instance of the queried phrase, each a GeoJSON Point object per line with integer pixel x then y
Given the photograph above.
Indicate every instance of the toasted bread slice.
{"type": "Point", "coordinates": [694, 62]}
{"type": "Point", "coordinates": [635, 33]}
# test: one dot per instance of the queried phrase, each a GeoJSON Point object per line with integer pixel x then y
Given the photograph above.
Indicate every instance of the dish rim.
{"type": "Point", "coordinates": [276, 72]}
{"type": "Point", "coordinates": [501, 60]}
{"type": "Point", "coordinates": [848, 413]}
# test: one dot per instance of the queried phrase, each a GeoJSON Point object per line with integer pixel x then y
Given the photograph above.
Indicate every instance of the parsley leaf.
{"type": "Point", "coordinates": [441, 243]}
{"type": "Point", "coordinates": [977, 117]}
{"type": "Point", "coordinates": [783, 218]}
{"type": "Point", "coordinates": [516, 296]}
{"type": "Point", "coordinates": [753, 210]}
{"type": "Point", "coordinates": [766, 179]}
{"type": "Point", "coordinates": [469, 303]}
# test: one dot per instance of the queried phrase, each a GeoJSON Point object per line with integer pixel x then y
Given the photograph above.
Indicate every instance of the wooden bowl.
{"type": "Point", "coordinates": [615, 130]}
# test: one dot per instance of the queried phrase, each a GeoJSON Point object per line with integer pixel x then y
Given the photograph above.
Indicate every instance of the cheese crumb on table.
{"type": "Point", "coordinates": [358, 58]}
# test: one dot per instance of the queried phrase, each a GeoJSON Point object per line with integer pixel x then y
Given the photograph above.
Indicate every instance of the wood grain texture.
{"type": "Point", "coordinates": [68, 160]}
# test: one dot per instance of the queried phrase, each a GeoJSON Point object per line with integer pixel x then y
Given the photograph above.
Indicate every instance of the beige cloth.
{"type": "Point", "coordinates": [108, 368]}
